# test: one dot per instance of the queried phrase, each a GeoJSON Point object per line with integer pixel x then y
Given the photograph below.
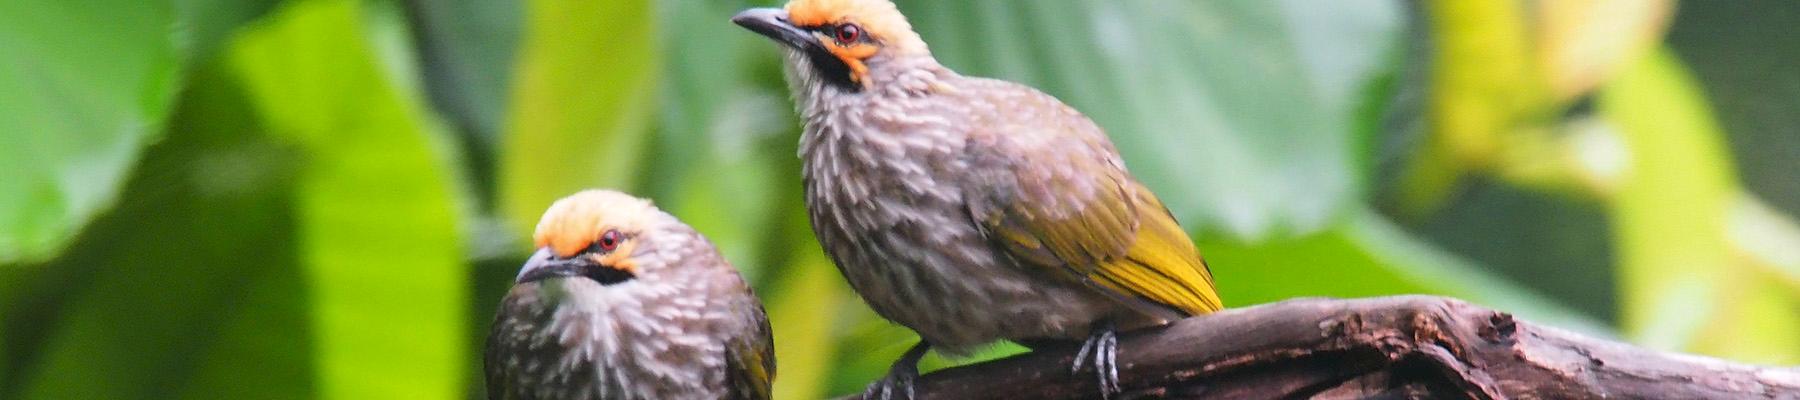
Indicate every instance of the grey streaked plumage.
{"type": "Point", "coordinates": [685, 326]}
{"type": "Point", "coordinates": [875, 165]}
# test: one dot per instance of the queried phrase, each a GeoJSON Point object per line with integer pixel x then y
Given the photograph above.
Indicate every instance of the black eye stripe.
{"type": "Point", "coordinates": [607, 275]}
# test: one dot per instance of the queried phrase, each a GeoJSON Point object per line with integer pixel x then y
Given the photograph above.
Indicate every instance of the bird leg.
{"type": "Point", "coordinates": [1103, 345]}
{"type": "Point", "coordinates": [900, 376]}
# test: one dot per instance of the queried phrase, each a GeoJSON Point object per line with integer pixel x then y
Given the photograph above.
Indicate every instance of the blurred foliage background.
{"type": "Point", "coordinates": [326, 198]}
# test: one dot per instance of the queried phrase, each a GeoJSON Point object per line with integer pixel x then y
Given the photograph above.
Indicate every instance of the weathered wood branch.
{"type": "Point", "coordinates": [1386, 348]}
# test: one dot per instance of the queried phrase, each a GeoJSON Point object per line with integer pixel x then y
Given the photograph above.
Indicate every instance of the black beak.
{"type": "Point", "coordinates": [544, 265]}
{"type": "Point", "coordinates": [773, 22]}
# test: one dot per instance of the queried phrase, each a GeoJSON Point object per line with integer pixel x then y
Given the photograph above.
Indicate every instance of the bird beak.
{"type": "Point", "coordinates": [773, 22]}
{"type": "Point", "coordinates": [545, 265]}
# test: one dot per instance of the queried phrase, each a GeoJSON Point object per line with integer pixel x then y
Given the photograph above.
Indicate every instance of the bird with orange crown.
{"type": "Point", "coordinates": [969, 209]}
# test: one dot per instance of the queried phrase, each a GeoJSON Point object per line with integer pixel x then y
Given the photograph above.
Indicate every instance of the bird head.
{"type": "Point", "coordinates": [841, 40]}
{"type": "Point", "coordinates": [601, 235]}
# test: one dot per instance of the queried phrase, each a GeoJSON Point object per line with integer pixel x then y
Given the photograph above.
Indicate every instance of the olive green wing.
{"type": "Point", "coordinates": [1052, 192]}
{"type": "Point", "coordinates": [750, 359]}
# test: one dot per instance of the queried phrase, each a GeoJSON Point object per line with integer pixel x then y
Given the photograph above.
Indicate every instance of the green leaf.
{"type": "Point", "coordinates": [377, 228]}
{"type": "Point", "coordinates": [1683, 285]}
{"type": "Point", "coordinates": [91, 83]}
{"type": "Point", "coordinates": [258, 344]}
{"type": "Point", "coordinates": [154, 283]}
{"type": "Point", "coordinates": [1241, 114]}
{"type": "Point", "coordinates": [87, 84]}
{"type": "Point", "coordinates": [262, 348]}
{"type": "Point", "coordinates": [583, 98]}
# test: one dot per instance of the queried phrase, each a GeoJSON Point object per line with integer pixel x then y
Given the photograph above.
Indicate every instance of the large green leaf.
{"type": "Point", "coordinates": [258, 345]}
{"type": "Point", "coordinates": [142, 301]}
{"type": "Point", "coordinates": [1239, 113]}
{"type": "Point", "coordinates": [582, 102]}
{"type": "Point", "coordinates": [377, 229]}
{"type": "Point", "coordinates": [87, 84]}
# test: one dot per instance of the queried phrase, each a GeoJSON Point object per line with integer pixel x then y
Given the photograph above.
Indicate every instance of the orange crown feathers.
{"type": "Point", "coordinates": [575, 222]}
{"type": "Point", "coordinates": [880, 18]}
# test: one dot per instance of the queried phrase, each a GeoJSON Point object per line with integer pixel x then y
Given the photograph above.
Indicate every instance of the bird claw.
{"type": "Point", "coordinates": [900, 376]}
{"type": "Point", "coordinates": [896, 382]}
{"type": "Point", "coordinates": [1103, 347]}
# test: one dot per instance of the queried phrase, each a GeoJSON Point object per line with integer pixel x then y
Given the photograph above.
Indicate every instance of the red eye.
{"type": "Point", "coordinates": [609, 241]}
{"type": "Point", "coordinates": [849, 33]}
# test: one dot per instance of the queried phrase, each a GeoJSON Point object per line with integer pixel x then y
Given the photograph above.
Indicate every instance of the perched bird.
{"type": "Point", "coordinates": [968, 209]}
{"type": "Point", "coordinates": [623, 301]}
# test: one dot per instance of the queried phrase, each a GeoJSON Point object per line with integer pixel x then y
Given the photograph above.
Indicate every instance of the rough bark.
{"type": "Point", "coordinates": [1381, 348]}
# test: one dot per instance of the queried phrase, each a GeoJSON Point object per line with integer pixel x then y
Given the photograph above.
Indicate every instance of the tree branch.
{"type": "Point", "coordinates": [1392, 347]}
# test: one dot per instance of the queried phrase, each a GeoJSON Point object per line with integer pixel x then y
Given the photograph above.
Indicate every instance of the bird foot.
{"type": "Point", "coordinates": [896, 383]}
{"type": "Point", "coordinates": [900, 377]}
{"type": "Point", "coordinates": [1103, 348]}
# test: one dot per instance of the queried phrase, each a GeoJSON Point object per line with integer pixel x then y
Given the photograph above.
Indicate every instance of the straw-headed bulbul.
{"type": "Point", "coordinates": [969, 209]}
{"type": "Point", "coordinates": [623, 301]}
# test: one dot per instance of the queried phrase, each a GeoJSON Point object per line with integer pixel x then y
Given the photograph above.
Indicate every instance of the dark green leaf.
{"type": "Point", "coordinates": [144, 303]}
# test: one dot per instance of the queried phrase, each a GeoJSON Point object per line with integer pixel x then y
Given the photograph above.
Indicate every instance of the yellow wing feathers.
{"type": "Point", "coordinates": [1123, 241]}
{"type": "Point", "coordinates": [1162, 264]}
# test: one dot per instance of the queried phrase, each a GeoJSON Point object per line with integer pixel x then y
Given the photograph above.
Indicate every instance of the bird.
{"type": "Point", "coordinates": [624, 301]}
{"type": "Point", "coordinates": [972, 210]}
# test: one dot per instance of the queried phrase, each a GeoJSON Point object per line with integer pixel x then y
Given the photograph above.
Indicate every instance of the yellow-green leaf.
{"type": "Point", "coordinates": [1682, 286]}
{"type": "Point", "coordinates": [583, 98]}
{"type": "Point", "coordinates": [379, 242]}
{"type": "Point", "coordinates": [1583, 42]}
